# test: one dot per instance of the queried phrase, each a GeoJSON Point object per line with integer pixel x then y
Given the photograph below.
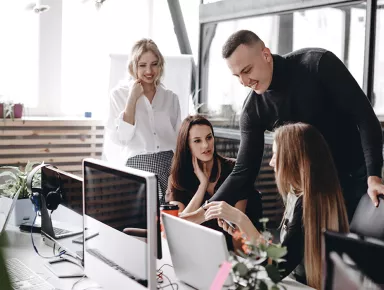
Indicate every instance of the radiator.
{"type": "Point", "coordinates": [62, 142]}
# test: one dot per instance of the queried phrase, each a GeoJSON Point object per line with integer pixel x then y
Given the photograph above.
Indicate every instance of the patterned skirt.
{"type": "Point", "coordinates": [157, 163]}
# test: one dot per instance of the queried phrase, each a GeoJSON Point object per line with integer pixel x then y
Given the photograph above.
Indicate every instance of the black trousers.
{"type": "Point", "coordinates": [354, 186]}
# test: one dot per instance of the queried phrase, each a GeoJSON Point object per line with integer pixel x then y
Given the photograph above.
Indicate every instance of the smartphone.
{"type": "Point", "coordinates": [230, 224]}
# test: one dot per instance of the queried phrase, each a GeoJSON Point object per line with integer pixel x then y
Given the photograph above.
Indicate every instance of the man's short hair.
{"type": "Point", "coordinates": [246, 37]}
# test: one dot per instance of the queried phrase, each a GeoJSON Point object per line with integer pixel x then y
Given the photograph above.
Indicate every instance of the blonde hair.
{"type": "Point", "coordinates": [304, 163]}
{"type": "Point", "coordinates": [139, 48]}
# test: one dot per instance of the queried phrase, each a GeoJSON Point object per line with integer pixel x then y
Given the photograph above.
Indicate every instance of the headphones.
{"type": "Point", "coordinates": [53, 198]}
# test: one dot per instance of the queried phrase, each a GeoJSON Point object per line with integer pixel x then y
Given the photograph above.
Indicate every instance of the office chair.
{"type": "Point", "coordinates": [346, 276]}
{"type": "Point", "coordinates": [367, 256]}
{"type": "Point", "coordinates": [368, 220]}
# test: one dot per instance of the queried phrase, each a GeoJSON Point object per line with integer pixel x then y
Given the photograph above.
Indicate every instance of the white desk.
{"type": "Point", "coordinates": [18, 245]}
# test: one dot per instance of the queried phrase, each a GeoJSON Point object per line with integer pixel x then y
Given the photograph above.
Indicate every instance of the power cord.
{"type": "Point", "coordinates": [169, 265]}
{"type": "Point", "coordinates": [160, 275]}
{"type": "Point", "coordinates": [34, 247]}
{"type": "Point", "coordinates": [171, 284]}
{"type": "Point", "coordinates": [81, 279]}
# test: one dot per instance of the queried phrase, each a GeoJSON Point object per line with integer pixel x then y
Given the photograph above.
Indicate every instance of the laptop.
{"type": "Point", "coordinates": [71, 188]}
{"type": "Point", "coordinates": [196, 251]}
{"type": "Point", "coordinates": [7, 204]}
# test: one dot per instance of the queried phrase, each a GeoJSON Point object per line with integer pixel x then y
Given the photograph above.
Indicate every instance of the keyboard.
{"type": "Point", "coordinates": [96, 253]}
{"type": "Point", "coordinates": [23, 278]}
{"type": "Point", "coordinates": [59, 231]}
{"type": "Point", "coordinates": [63, 233]}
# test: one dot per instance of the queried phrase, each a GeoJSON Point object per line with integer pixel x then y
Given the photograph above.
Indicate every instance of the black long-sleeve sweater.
{"type": "Point", "coordinates": [311, 86]}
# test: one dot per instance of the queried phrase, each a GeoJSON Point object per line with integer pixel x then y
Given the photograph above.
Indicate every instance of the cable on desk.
{"type": "Point", "coordinates": [160, 274]}
{"type": "Point", "coordinates": [170, 284]}
{"type": "Point", "coordinates": [169, 265]}
{"type": "Point", "coordinates": [82, 278]}
{"type": "Point", "coordinates": [78, 281]}
{"type": "Point", "coordinates": [34, 247]}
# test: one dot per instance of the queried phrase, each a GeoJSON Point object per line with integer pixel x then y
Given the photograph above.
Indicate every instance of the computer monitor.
{"type": "Point", "coordinates": [367, 254]}
{"type": "Point", "coordinates": [119, 199]}
{"type": "Point", "coordinates": [63, 228]}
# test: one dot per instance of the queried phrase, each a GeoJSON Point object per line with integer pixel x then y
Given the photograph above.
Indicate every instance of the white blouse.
{"type": "Point", "coordinates": [156, 125]}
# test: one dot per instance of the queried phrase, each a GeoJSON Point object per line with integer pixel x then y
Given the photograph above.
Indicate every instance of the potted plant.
{"type": "Point", "coordinates": [11, 110]}
{"type": "Point", "coordinates": [13, 179]}
{"type": "Point", "coordinates": [194, 104]}
{"type": "Point", "coordinates": [259, 257]}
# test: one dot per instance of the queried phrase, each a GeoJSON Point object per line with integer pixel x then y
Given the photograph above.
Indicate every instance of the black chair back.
{"type": "Point", "coordinates": [368, 256]}
{"type": "Point", "coordinates": [368, 220]}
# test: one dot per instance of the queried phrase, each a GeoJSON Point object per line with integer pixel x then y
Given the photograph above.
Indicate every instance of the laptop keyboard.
{"type": "Point", "coordinates": [96, 253]}
{"type": "Point", "coordinates": [60, 232]}
{"type": "Point", "coordinates": [23, 278]}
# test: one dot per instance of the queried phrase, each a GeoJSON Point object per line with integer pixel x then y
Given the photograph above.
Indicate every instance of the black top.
{"type": "Point", "coordinates": [226, 167]}
{"type": "Point", "coordinates": [185, 197]}
{"type": "Point", "coordinates": [294, 241]}
{"type": "Point", "coordinates": [311, 86]}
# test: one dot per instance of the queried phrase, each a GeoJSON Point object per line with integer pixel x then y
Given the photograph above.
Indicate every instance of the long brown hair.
{"type": "Point", "coordinates": [183, 177]}
{"type": "Point", "coordinates": [304, 163]}
{"type": "Point", "coordinates": [139, 48]}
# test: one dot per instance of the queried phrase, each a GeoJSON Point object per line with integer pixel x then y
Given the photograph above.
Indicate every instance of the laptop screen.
{"type": "Point", "coordinates": [7, 203]}
{"type": "Point", "coordinates": [121, 204]}
{"type": "Point", "coordinates": [65, 224]}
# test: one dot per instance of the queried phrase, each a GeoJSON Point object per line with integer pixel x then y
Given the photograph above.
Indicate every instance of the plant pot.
{"type": "Point", "coordinates": [22, 213]}
{"type": "Point", "coordinates": [18, 110]}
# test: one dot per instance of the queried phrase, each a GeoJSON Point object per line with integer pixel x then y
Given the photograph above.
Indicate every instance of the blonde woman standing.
{"type": "Point", "coordinates": [144, 116]}
{"type": "Point", "coordinates": [307, 179]}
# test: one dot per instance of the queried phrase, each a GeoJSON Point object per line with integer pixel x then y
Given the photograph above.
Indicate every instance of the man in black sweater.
{"type": "Point", "coordinates": [311, 86]}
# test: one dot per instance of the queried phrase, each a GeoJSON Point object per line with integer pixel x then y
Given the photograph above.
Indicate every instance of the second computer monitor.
{"type": "Point", "coordinates": [122, 204]}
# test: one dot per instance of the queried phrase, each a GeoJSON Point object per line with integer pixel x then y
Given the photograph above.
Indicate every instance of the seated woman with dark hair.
{"type": "Point", "coordinates": [198, 170]}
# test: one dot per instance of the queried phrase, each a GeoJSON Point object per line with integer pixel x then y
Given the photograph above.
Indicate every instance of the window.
{"type": "Point", "coordinates": [190, 9]}
{"type": "Point", "coordinates": [378, 88]}
{"type": "Point", "coordinates": [88, 37]}
{"type": "Point", "coordinates": [340, 30]}
{"type": "Point", "coordinates": [225, 94]}
{"type": "Point", "coordinates": [18, 53]}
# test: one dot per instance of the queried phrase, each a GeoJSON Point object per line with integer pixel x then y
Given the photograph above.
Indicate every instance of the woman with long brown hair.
{"type": "Point", "coordinates": [198, 170]}
{"type": "Point", "coordinates": [307, 179]}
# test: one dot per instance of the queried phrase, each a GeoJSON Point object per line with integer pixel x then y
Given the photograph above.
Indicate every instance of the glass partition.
{"type": "Point", "coordinates": [378, 88]}
{"type": "Point", "coordinates": [340, 30]}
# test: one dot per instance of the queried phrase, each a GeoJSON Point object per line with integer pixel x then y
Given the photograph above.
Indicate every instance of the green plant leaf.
{"type": "Point", "coordinates": [276, 252]}
{"type": "Point", "coordinates": [9, 174]}
{"type": "Point", "coordinates": [275, 287]}
{"type": "Point", "coordinates": [263, 285]}
{"type": "Point", "coordinates": [262, 247]}
{"type": "Point", "coordinates": [18, 180]}
{"type": "Point", "coordinates": [241, 269]}
{"type": "Point", "coordinates": [30, 165]}
{"type": "Point", "coordinates": [241, 254]}
{"type": "Point", "coordinates": [273, 273]}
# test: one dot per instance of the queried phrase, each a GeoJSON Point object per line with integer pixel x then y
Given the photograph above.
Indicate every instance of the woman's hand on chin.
{"type": "Point", "coordinates": [201, 174]}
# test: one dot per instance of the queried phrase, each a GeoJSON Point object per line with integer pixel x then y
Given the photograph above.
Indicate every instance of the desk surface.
{"type": "Point", "coordinates": [18, 245]}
